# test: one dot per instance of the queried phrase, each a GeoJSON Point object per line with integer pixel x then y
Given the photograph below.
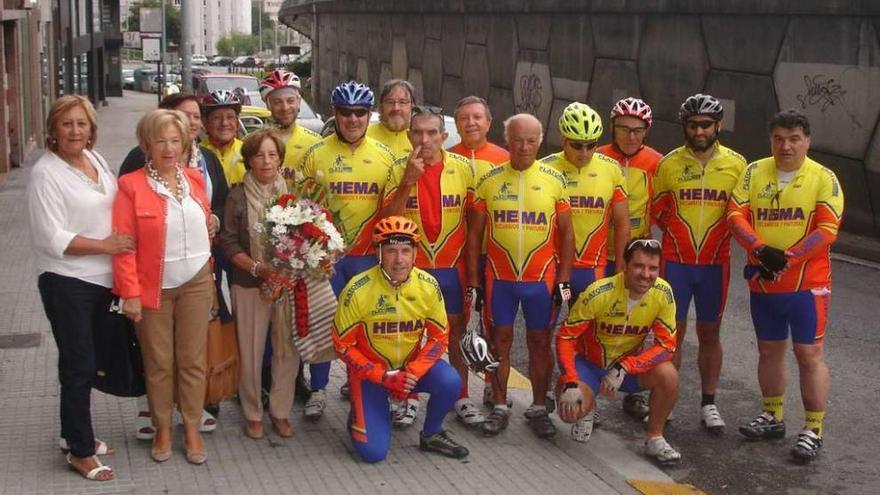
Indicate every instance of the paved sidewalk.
{"type": "Point", "coordinates": [318, 459]}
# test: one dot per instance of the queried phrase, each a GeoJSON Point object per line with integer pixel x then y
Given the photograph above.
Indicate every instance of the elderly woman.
{"type": "Point", "coordinates": [263, 152]}
{"type": "Point", "coordinates": [70, 197]}
{"type": "Point", "coordinates": [166, 281]}
{"type": "Point", "coordinates": [203, 160]}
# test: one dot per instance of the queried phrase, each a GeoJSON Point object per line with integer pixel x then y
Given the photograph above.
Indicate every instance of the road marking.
{"type": "Point", "coordinates": [515, 380]}
{"type": "Point", "coordinates": [855, 261]}
{"type": "Point", "coordinates": [648, 487]}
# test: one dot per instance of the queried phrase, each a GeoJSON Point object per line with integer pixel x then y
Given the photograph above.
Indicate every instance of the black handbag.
{"type": "Point", "coordinates": [119, 369]}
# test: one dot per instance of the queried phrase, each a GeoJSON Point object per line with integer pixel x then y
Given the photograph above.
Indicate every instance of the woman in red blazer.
{"type": "Point", "coordinates": [166, 282]}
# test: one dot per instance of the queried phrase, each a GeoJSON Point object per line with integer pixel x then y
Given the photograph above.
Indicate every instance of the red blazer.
{"type": "Point", "coordinates": [140, 212]}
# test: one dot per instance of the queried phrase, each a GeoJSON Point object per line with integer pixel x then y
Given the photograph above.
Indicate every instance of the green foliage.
{"type": "Point", "coordinates": [172, 19]}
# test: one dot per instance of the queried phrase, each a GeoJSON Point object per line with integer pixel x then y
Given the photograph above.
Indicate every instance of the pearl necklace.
{"type": "Point", "coordinates": [178, 174]}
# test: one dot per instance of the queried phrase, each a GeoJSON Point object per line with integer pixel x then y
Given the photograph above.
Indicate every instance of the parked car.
{"type": "Point", "coordinates": [170, 79]}
{"type": "Point", "coordinates": [199, 60]}
{"type": "Point", "coordinates": [247, 61]}
{"type": "Point", "coordinates": [221, 61]}
{"type": "Point", "coordinates": [128, 78]}
{"type": "Point", "coordinates": [204, 83]}
{"type": "Point", "coordinates": [253, 118]}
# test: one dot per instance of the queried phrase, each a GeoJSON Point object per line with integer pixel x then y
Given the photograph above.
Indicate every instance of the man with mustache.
{"type": "Point", "coordinates": [396, 102]}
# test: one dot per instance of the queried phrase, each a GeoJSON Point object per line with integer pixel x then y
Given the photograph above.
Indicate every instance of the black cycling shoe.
{"type": "Point", "coordinates": [636, 405]}
{"type": "Point", "coordinates": [345, 391]}
{"type": "Point", "coordinates": [763, 427]}
{"type": "Point", "coordinates": [495, 423]}
{"type": "Point", "coordinates": [807, 447]}
{"type": "Point", "coordinates": [442, 444]}
{"type": "Point", "coordinates": [541, 424]}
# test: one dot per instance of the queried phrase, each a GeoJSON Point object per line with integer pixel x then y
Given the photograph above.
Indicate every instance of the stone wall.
{"type": "Point", "coordinates": [537, 56]}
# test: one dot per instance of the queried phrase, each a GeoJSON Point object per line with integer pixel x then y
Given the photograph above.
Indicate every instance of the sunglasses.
{"type": "Point", "coordinates": [579, 146]}
{"type": "Point", "coordinates": [648, 243]}
{"type": "Point", "coordinates": [702, 124]}
{"type": "Point", "coordinates": [348, 112]}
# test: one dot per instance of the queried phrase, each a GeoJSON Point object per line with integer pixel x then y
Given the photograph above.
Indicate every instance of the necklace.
{"type": "Point", "coordinates": [95, 186]}
{"type": "Point", "coordinates": [178, 174]}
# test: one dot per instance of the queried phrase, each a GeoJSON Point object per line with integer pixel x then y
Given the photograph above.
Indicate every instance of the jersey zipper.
{"type": "Point", "coordinates": [702, 203]}
{"type": "Point", "coordinates": [519, 227]}
{"type": "Point", "coordinates": [397, 312]}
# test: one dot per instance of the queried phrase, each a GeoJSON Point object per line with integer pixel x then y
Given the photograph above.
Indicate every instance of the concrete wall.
{"type": "Point", "coordinates": [538, 55]}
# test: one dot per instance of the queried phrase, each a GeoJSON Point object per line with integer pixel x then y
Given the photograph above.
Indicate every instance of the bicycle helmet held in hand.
{"type": "Point", "coordinates": [352, 94]}
{"type": "Point", "coordinates": [579, 122]}
{"type": "Point", "coordinates": [475, 351]}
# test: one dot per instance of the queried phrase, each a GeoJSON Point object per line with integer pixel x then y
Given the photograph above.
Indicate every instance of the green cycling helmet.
{"type": "Point", "coordinates": [579, 122]}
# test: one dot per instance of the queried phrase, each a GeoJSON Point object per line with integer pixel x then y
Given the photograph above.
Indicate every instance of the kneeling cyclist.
{"type": "Point", "coordinates": [600, 346]}
{"type": "Point", "coordinates": [384, 313]}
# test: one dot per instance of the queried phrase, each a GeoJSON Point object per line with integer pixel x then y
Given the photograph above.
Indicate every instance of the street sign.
{"type": "Point", "coordinates": [152, 49]}
{"type": "Point", "coordinates": [289, 49]}
{"type": "Point", "coordinates": [151, 20]}
{"type": "Point", "coordinates": [131, 39]}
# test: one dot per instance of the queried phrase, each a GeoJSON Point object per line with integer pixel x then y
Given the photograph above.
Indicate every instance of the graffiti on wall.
{"type": "Point", "coordinates": [533, 90]}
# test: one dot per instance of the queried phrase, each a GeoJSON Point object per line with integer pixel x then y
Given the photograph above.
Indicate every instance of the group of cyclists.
{"type": "Point", "coordinates": [437, 238]}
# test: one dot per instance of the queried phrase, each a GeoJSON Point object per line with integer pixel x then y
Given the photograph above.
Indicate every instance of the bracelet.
{"type": "Point", "coordinates": [254, 268]}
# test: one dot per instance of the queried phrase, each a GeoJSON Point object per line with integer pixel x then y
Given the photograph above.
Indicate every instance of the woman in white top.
{"type": "Point", "coordinates": [166, 281]}
{"type": "Point", "coordinates": [70, 197]}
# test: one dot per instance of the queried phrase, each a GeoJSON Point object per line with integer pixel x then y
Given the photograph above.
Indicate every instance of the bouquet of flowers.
{"type": "Point", "coordinates": [302, 244]}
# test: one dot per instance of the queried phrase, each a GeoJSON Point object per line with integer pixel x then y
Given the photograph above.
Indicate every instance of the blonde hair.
{"type": "Point", "coordinates": [153, 123]}
{"type": "Point", "coordinates": [63, 105]}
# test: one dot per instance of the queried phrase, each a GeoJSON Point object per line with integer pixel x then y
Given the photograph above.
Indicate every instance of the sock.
{"type": "Point", "coordinates": [774, 406]}
{"type": "Point", "coordinates": [502, 407]}
{"type": "Point", "coordinates": [707, 399]}
{"type": "Point", "coordinates": [536, 407]}
{"type": "Point", "coordinates": [814, 420]}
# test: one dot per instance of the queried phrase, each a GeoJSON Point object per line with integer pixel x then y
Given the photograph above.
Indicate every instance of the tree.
{"type": "Point", "coordinates": [268, 25]}
{"type": "Point", "coordinates": [237, 44]}
{"type": "Point", "coordinates": [172, 19]}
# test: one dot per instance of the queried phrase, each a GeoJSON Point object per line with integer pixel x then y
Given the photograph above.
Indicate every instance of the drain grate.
{"type": "Point", "coordinates": [20, 340]}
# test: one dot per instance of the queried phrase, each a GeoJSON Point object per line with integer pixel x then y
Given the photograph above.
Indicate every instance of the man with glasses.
{"type": "Point", "coordinates": [524, 213]}
{"type": "Point", "coordinates": [351, 170]}
{"type": "Point", "coordinates": [434, 189]}
{"type": "Point", "coordinates": [601, 345]}
{"type": "Point", "coordinates": [786, 211]}
{"type": "Point", "coordinates": [395, 111]}
{"type": "Point", "coordinates": [221, 109]}
{"type": "Point", "coordinates": [280, 92]}
{"type": "Point", "coordinates": [596, 193]}
{"type": "Point", "coordinates": [691, 189]}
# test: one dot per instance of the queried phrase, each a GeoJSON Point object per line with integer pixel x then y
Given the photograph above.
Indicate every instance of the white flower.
{"type": "Point", "coordinates": [279, 230]}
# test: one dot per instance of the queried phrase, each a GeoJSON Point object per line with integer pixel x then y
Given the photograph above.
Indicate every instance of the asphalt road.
{"type": "Point", "coordinates": [729, 464]}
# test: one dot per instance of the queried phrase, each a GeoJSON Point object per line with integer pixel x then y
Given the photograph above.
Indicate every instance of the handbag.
{"type": "Point", "coordinates": [315, 344]}
{"type": "Point", "coordinates": [119, 368]}
{"type": "Point", "coordinates": [223, 362]}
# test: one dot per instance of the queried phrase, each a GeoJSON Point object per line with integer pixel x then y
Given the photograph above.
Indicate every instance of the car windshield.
{"type": "Point", "coordinates": [248, 84]}
{"type": "Point", "coordinates": [306, 112]}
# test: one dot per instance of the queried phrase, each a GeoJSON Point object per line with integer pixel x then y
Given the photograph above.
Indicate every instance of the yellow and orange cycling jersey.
{"type": "Point", "coordinates": [483, 159]}
{"type": "Point", "coordinates": [230, 158]}
{"type": "Point", "coordinates": [354, 182]}
{"type": "Point", "coordinates": [638, 171]}
{"type": "Point", "coordinates": [456, 194]}
{"type": "Point", "coordinates": [802, 218]}
{"type": "Point", "coordinates": [690, 204]}
{"type": "Point", "coordinates": [606, 328]}
{"type": "Point", "coordinates": [397, 141]}
{"type": "Point", "coordinates": [592, 190]}
{"type": "Point", "coordinates": [296, 147]}
{"type": "Point", "coordinates": [521, 210]}
{"type": "Point", "coordinates": [379, 327]}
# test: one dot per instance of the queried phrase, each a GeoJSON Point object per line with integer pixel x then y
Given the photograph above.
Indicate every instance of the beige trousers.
{"type": "Point", "coordinates": [253, 317]}
{"type": "Point", "coordinates": [173, 342]}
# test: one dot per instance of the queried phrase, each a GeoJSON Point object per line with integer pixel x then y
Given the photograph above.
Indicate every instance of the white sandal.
{"type": "Point", "coordinates": [101, 448]}
{"type": "Point", "coordinates": [93, 474]}
{"type": "Point", "coordinates": [144, 424]}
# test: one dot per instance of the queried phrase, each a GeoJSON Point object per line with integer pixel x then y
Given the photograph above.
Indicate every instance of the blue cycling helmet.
{"type": "Point", "coordinates": [352, 94]}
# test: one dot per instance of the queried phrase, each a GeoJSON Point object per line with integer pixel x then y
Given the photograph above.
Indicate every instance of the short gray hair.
{"type": "Point", "coordinates": [522, 116]}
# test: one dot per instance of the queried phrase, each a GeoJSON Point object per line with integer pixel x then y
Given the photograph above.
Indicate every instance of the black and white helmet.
{"type": "Point", "coordinates": [700, 104]}
{"type": "Point", "coordinates": [475, 351]}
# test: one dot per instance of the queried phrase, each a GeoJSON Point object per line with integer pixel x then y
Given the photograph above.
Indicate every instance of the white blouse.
{"type": "Point", "coordinates": [64, 203]}
{"type": "Point", "coordinates": [187, 246]}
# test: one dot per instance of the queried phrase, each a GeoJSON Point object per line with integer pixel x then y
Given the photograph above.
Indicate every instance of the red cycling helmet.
{"type": "Point", "coordinates": [278, 79]}
{"type": "Point", "coordinates": [633, 107]}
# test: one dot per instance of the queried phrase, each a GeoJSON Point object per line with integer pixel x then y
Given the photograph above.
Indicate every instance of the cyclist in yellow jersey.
{"type": "Point", "coordinates": [280, 90]}
{"type": "Point", "coordinates": [434, 188]}
{"type": "Point", "coordinates": [631, 119]}
{"type": "Point", "coordinates": [600, 346]}
{"type": "Point", "coordinates": [221, 109]}
{"type": "Point", "coordinates": [526, 217]}
{"type": "Point", "coordinates": [786, 211]}
{"type": "Point", "coordinates": [396, 102]}
{"type": "Point", "coordinates": [384, 315]}
{"type": "Point", "coordinates": [596, 193]}
{"type": "Point", "coordinates": [691, 188]}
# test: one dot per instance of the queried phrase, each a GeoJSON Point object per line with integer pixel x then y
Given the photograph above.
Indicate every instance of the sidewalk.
{"type": "Point", "coordinates": [318, 459]}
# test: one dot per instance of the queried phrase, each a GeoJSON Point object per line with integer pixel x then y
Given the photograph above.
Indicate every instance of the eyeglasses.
{"type": "Point", "coordinates": [625, 129]}
{"type": "Point", "coordinates": [579, 146]}
{"type": "Point", "coordinates": [702, 124]}
{"type": "Point", "coordinates": [427, 109]}
{"type": "Point", "coordinates": [648, 243]}
{"type": "Point", "coordinates": [348, 112]}
{"type": "Point", "coordinates": [399, 103]}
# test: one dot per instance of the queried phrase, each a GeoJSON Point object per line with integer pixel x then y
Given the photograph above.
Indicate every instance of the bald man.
{"type": "Point", "coordinates": [522, 209]}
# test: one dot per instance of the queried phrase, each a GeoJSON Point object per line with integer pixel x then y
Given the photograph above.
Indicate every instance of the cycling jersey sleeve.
{"type": "Point", "coordinates": [620, 193]}
{"type": "Point", "coordinates": [347, 325]}
{"type": "Point", "coordinates": [664, 344]}
{"type": "Point", "coordinates": [580, 321]}
{"type": "Point", "coordinates": [738, 214]}
{"type": "Point", "coordinates": [661, 200]}
{"type": "Point", "coordinates": [436, 333]}
{"type": "Point", "coordinates": [829, 210]}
